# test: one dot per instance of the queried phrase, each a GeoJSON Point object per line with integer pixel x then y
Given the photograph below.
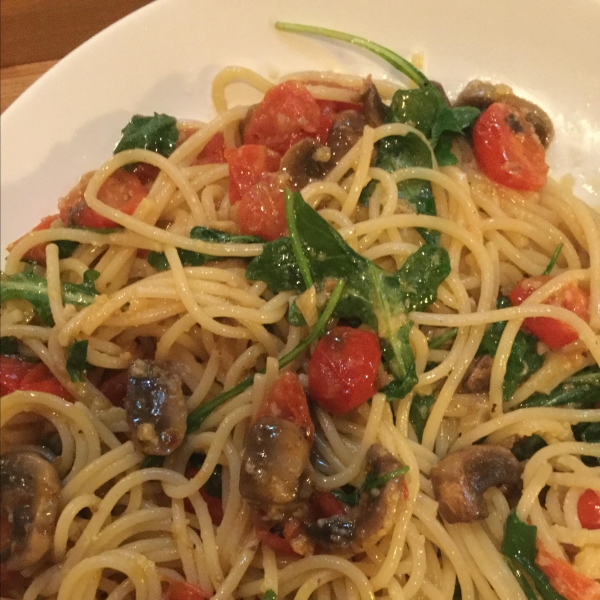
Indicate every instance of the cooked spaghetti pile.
{"type": "Point", "coordinates": [343, 343]}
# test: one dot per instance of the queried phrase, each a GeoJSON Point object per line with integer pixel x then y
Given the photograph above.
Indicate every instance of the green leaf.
{"type": "Point", "coordinates": [270, 595]}
{"type": "Point", "coordinates": [581, 389]}
{"type": "Point", "coordinates": [152, 461]}
{"type": "Point", "coordinates": [440, 340]}
{"type": "Point", "coordinates": [66, 248]}
{"type": "Point", "coordinates": [157, 133]}
{"type": "Point", "coordinates": [34, 288]}
{"type": "Point", "coordinates": [294, 316]}
{"type": "Point", "coordinates": [419, 413]}
{"type": "Point", "coordinates": [590, 433]}
{"type": "Point", "coordinates": [524, 359]}
{"type": "Point", "coordinates": [214, 484]}
{"type": "Point", "coordinates": [77, 364]}
{"type": "Point", "coordinates": [519, 545]}
{"type": "Point", "coordinates": [526, 447]}
{"type": "Point", "coordinates": [553, 259]}
{"type": "Point", "coordinates": [190, 258]}
{"type": "Point", "coordinates": [347, 494]}
{"type": "Point", "coordinates": [374, 482]}
{"type": "Point", "coordinates": [9, 346]}
{"type": "Point", "coordinates": [452, 120]}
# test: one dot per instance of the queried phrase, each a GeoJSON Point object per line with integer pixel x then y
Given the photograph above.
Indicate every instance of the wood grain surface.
{"type": "Point", "coordinates": [35, 34]}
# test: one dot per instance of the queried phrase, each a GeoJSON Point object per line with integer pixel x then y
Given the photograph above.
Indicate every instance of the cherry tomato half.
{"type": "Point", "coordinates": [555, 334]}
{"type": "Point", "coordinates": [17, 374]}
{"type": "Point", "coordinates": [287, 114]}
{"type": "Point", "coordinates": [343, 369]}
{"type": "Point", "coordinates": [588, 509]}
{"type": "Point", "coordinates": [122, 190]}
{"type": "Point", "coordinates": [286, 399]}
{"type": "Point", "coordinates": [181, 590]}
{"type": "Point", "coordinates": [508, 150]}
{"type": "Point", "coordinates": [261, 210]}
{"type": "Point", "coordinates": [247, 165]}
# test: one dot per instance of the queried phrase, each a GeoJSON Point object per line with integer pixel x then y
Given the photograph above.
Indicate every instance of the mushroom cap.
{"type": "Point", "coordinates": [460, 479]}
{"type": "Point", "coordinates": [29, 503]}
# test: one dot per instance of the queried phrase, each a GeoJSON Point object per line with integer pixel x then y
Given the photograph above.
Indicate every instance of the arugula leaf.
{"type": "Point", "coordinates": [524, 359]}
{"type": "Point", "coordinates": [214, 484]}
{"type": "Point", "coordinates": [270, 595]}
{"type": "Point", "coordinates": [294, 316]}
{"type": "Point", "coordinates": [348, 494]}
{"type": "Point", "coordinates": [157, 133]}
{"type": "Point", "coordinates": [152, 461]}
{"type": "Point", "coordinates": [526, 447]}
{"type": "Point", "coordinates": [379, 298]}
{"type": "Point", "coordinates": [419, 413]}
{"type": "Point", "coordinates": [26, 285]}
{"type": "Point", "coordinates": [77, 364]}
{"type": "Point", "coordinates": [200, 413]}
{"type": "Point", "coordinates": [190, 258]}
{"type": "Point", "coordinates": [581, 389]}
{"type": "Point", "coordinates": [590, 433]}
{"type": "Point", "coordinates": [440, 340]}
{"type": "Point", "coordinates": [66, 248]}
{"type": "Point", "coordinates": [519, 546]}
{"type": "Point", "coordinates": [553, 259]}
{"type": "Point", "coordinates": [9, 346]}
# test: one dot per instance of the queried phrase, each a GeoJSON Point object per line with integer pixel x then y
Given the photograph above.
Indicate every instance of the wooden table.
{"type": "Point", "coordinates": [36, 34]}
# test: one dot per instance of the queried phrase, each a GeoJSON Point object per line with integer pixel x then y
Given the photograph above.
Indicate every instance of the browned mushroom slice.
{"type": "Point", "coordinates": [477, 378]}
{"type": "Point", "coordinates": [276, 470]}
{"type": "Point", "coordinates": [373, 107]}
{"type": "Point", "coordinates": [304, 162]}
{"type": "Point", "coordinates": [29, 502]}
{"type": "Point", "coordinates": [375, 515]}
{"type": "Point", "coordinates": [481, 94]}
{"type": "Point", "coordinates": [460, 479]}
{"type": "Point", "coordinates": [155, 408]}
{"type": "Point", "coordinates": [346, 129]}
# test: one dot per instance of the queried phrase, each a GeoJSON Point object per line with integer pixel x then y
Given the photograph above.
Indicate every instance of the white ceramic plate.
{"type": "Point", "coordinates": [163, 57]}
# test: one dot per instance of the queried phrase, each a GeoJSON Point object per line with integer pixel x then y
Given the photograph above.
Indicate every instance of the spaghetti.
{"type": "Point", "coordinates": [156, 275]}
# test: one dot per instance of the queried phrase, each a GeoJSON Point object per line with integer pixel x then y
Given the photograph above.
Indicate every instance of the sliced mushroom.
{"type": "Point", "coordinates": [460, 479]}
{"type": "Point", "coordinates": [346, 129]}
{"type": "Point", "coordinates": [29, 503]}
{"type": "Point", "coordinates": [155, 408]}
{"type": "Point", "coordinates": [276, 473]}
{"type": "Point", "coordinates": [375, 515]}
{"type": "Point", "coordinates": [477, 378]}
{"type": "Point", "coordinates": [304, 162]}
{"type": "Point", "coordinates": [481, 94]}
{"type": "Point", "coordinates": [373, 107]}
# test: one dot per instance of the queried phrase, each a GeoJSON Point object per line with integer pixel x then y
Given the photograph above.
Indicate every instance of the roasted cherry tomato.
{"type": "Point", "coordinates": [286, 399]}
{"type": "Point", "coordinates": [555, 334]}
{"type": "Point", "coordinates": [213, 152]}
{"type": "Point", "coordinates": [564, 579]}
{"type": "Point", "coordinates": [114, 387]}
{"type": "Point", "coordinates": [122, 190]}
{"type": "Point", "coordinates": [17, 374]}
{"type": "Point", "coordinates": [343, 369]}
{"type": "Point", "coordinates": [38, 253]}
{"type": "Point", "coordinates": [508, 150]}
{"type": "Point", "coordinates": [324, 504]}
{"type": "Point", "coordinates": [287, 114]}
{"type": "Point", "coordinates": [181, 590]}
{"type": "Point", "coordinates": [261, 210]}
{"type": "Point", "coordinates": [588, 509]}
{"type": "Point", "coordinates": [247, 165]}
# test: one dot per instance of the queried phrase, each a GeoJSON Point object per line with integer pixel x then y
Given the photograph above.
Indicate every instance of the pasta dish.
{"type": "Point", "coordinates": [343, 343]}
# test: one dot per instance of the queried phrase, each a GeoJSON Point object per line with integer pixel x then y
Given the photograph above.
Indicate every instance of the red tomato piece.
{"type": "Point", "coordinates": [214, 505]}
{"type": "Point", "coordinates": [122, 190]}
{"type": "Point", "coordinates": [324, 504]}
{"type": "Point", "coordinates": [38, 253]}
{"type": "Point", "coordinates": [213, 152]}
{"type": "Point", "coordinates": [287, 114]}
{"type": "Point", "coordinates": [286, 399]}
{"type": "Point", "coordinates": [555, 334]}
{"type": "Point", "coordinates": [564, 579]}
{"type": "Point", "coordinates": [17, 374]}
{"type": "Point", "coordinates": [247, 165]}
{"type": "Point", "coordinates": [114, 387]}
{"type": "Point", "coordinates": [508, 150]}
{"type": "Point", "coordinates": [588, 509]}
{"type": "Point", "coordinates": [261, 210]}
{"type": "Point", "coordinates": [343, 369]}
{"type": "Point", "coordinates": [181, 590]}
{"type": "Point", "coordinates": [274, 541]}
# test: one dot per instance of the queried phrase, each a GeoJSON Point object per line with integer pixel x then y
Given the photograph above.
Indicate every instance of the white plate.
{"type": "Point", "coordinates": [163, 57]}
